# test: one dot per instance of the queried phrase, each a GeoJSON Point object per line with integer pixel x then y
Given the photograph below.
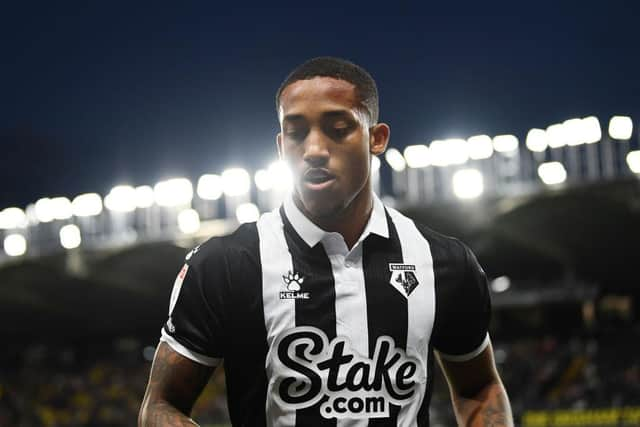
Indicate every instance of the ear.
{"type": "Point", "coordinates": [279, 146]}
{"type": "Point", "coordinates": [379, 138]}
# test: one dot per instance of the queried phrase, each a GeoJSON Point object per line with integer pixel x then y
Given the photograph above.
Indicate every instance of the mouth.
{"type": "Point", "coordinates": [318, 179]}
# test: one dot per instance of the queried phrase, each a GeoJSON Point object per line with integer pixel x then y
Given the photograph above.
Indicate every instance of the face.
{"type": "Point", "coordinates": [327, 142]}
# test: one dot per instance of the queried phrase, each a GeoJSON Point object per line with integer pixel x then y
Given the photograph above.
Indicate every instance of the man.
{"type": "Point", "coordinates": [327, 311]}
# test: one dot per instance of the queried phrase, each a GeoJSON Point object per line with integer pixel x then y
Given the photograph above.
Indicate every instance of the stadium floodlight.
{"type": "Point", "coordinates": [209, 187]}
{"type": "Point", "coordinates": [236, 182]}
{"type": "Point", "coordinates": [591, 130]}
{"type": "Point", "coordinates": [61, 208]}
{"type": "Point", "coordinates": [556, 137]}
{"type": "Point", "coordinates": [439, 155]}
{"type": "Point", "coordinates": [536, 140]}
{"type": "Point", "coordinates": [173, 192]}
{"type": "Point", "coordinates": [506, 144]}
{"type": "Point", "coordinates": [12, 218]}
{"type": "Point", "coordinates": [15, 245]}
{"type": "Point", "coordinates": [44, 212]}
{"type": "Point", "coordinates": [479, 147]}
{"type": "Point", "coordinates": [574, 132]}
{"type": "Point", "coordinates": [188, 221]}
{"type": "Point", "coordinates": [457, 151]}
{"type": "Point", "coordinates": [448, 152]}
{"type": "Point", "coordinates": [121, 198]}
{"type": "Point", "coordinates": [247, 212]}
{"type": "Point", "coordinates": [417, 156]}
{"type": "Point", "coordinates": [468, 183]}
{"type": "Point", "coordinates": [633, 160]}
{"type": "Point", "coordinates": [262, 178]}
{"type": "Point", "coordinates": [552, 173]}
{"type": "Point", "coordinates": [145, 197]}
{"type": "Point", "coordinates": [395, 160]}
{"type": "Point", "coordinates": [70, 237]}
{"type": "Point", "coordinates": [281, 176]}
{"type": "Point", "coordinates": [500, 284]}
{"type": "Point", "coordinates": [375, 164]}
{"type": "Point", "coordinates": [88, 204]}
{"type": "Point", "coordinates": [620, 127]}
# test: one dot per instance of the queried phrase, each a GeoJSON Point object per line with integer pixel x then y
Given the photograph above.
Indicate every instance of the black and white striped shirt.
{"type": "Point", "coordinates": [316, 334]}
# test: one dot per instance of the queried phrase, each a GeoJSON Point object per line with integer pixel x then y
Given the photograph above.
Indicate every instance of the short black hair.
{"type": "Point", "coordinates": [341, 69]}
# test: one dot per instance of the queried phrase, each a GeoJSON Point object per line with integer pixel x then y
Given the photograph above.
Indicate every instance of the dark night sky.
{"type": "Point", "coordinates": [100, 94]}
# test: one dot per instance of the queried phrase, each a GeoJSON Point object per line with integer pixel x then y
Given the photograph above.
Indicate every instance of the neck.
{"type": "Point", "coordinates": [350, 221]}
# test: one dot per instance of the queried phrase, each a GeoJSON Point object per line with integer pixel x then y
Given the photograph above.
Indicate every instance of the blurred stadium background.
{"type": "Point", "coordinates": [553, 215]}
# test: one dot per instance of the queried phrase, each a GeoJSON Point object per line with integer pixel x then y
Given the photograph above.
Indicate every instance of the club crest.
{"type": "Point", "coordinates": [403, 278]}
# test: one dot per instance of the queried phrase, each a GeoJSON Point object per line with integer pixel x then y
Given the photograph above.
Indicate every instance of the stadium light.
{"type": "Point", "coordinates": [448, 152]}
{"type": "Point", "coordinates": [633, 160]}
{"type": "Point", "coordinates": [209, 187]}
{"type": "Point", "coordinates": [620, 127]}
{"type": "Point", "coordinates": [61, 208]}
{"type": "Point", "coordinates": [70, 237]}
{"type": "Point", "coordinates": [262, 178]}
{"type": "Point", "coordinates": [500, 284]}
{"type": "Point", "coordinates": [43, 210]}
{"type": "Point", "coordinates": [173, 192]}
{"type": "Point", "coordinates": [236, 182]}
{"type": "Point", "coordinates": [281, 176]}
{"type": "Point", "coordinates": [457, 151]}
{"type": "Point", "coordinates": [144, 196]}
{"type": "Point", "coordinates": [247, 212]}
{"type": "Point", "coordinates": [15, 245]}
{"type": "Point", "coordinates": [89, 204]}
{"type": "Point", "coordinates": [556, 137]}
{"type": "Point", "coordinates": [188, 221]}
{"type": "Point", "coordinates": [536, 140]}
{"type": "Point", "coordinates": [395, 160]}
{"type": "Point", "coordinates": [121, 198]}
{"type": "Point", "coordinates": [11, 218]}
{"type": "Point", "coordinates": [552, 173]}
{"type": "Point", "coordinates": [574, 131]}
{"type": "Point", "coordinates": [375, 164]}
{"type": "Point", "coordinates": [479, 147]}
{"type": "Point", "coordinates": [592, 131]}
{"type": "Point", "coordinates": [417, 156]}
{"type": "Point", "coordinates": [506, 144]}
{"type": "Point", "coordinates": [468, 183]}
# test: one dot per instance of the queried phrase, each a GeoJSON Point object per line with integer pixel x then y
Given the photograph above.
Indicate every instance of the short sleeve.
{"type": "Point", "coordinates": [463, 309]}
{"type": "Point", "coordinates": [196, 323]}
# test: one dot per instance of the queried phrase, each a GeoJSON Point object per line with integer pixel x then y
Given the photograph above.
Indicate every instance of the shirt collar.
{"type": "Point", "coordinates": [312, 234]}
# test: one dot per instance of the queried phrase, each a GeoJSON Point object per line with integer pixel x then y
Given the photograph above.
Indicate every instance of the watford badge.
{"type": "Point", "coordinates": [403, 278]}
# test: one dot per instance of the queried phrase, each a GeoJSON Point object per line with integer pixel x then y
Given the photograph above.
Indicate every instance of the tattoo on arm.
{"type": "Point", "coordinates": [174, 385]}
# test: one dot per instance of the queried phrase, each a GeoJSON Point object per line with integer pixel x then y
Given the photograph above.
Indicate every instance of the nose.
{"type": "Point", "coordinates": [316, 149]}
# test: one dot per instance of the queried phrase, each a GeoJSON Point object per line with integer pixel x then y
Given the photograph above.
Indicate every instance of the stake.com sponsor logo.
{"type": "Point", "coordinates": [309, 369]}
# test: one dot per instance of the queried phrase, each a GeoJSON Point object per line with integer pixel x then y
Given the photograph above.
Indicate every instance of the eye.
{"type": "Point", "coordinates": [295, 134]}
{"type": "Point", "coordinates": [340, 129]}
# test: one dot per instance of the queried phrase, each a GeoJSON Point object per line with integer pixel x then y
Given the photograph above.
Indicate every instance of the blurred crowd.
{"type": "Point", "coordinates": [102, 385]}
{"type": "Point", "coordinates": [70, 386]}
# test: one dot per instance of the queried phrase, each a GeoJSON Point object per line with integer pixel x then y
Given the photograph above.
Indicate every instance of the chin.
{"type": "Point", "coordinates": [321, 207]}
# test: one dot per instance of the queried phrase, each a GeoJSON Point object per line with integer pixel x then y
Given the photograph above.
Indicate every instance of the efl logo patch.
{"type": "Point", "coordinates": [293, 281]}
{"type": "Point", "coordinates": [403, 278]}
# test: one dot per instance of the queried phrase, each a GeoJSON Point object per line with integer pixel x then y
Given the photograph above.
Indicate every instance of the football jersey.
{"type": "Point", "coordinates": [313, 333]}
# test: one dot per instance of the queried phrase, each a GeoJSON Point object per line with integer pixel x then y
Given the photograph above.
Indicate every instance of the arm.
{"type": "Point", "coordinates": [174, 385]}
{"type": "Point", "coordinates": [478, 396]}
